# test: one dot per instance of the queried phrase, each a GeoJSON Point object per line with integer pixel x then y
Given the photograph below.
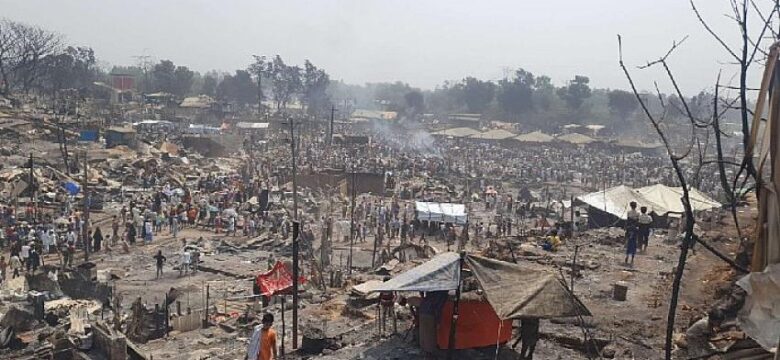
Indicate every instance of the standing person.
{"type": "Point", "coordinates": [16, 264]}
{"type": "Point", "coordinates": [529, 334]}
{"type": "Point", "coordinates": [97, 240]}
{"type": "Point", "coordinates": [387, 303]}
{"type": "Point", "coordinates": [645, 222]}
{"type": "Point", "coordinates": [33, 262]}
{"type": "Point", "coordinates": [262, 346]}
{"type": "Point", "coordinates": [160, 260]}
{"type": "Point", "coordinates": [186, 260]}
{"type": "Point", "coordinates": [147, 231]}
{"type": "Point", "coordinates": [632, 229]}
{"type": "Point", "coordinates": [232, 225]}
{"type": "Point", "coordinates": [24, 253]}
{"type": "Point", "coordinates": [114, 230]}
{"type": "Point", "coordinates": [131, 234]}
{"type": "Point", "coordinates": [3, 268]}
{"type": "Point", "coordinates": [174, 226]}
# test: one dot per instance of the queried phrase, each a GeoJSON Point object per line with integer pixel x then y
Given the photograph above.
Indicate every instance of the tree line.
{"type": "Point", "coordinates": [35, 59]}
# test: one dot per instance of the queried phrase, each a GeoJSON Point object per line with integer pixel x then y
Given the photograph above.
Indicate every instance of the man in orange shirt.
{"type": "Point", "coordinates": [262, 345]}
{"type": "Point", "coordinates": [267, 339]}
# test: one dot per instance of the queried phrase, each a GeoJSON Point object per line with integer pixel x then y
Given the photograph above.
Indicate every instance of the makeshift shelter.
{"type": "Point", "coordinates": [439, 274]}
{"type": "Point", "coordinates": [517, 292]}
{"type": "Point", "coordinates": [511, 291]}
{"type": "Point", "coordinates": [534, 137]}
{"type": "Point", "coordinates": [493, 135]}
{"type": "Point", "coordinates": [459, 132]}
{"type": "Point", "coordinates": [668, 198]}
{"type": "Point", "coordinates": [441, 212]}
{"type": "Point", "coordinates": [609, 207]}
{"type": "Point", "coordinates": [576, 139]}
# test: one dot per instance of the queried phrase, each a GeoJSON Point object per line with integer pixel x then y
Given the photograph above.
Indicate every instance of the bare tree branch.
{"type": "Point", "coordinates": [707, 27]}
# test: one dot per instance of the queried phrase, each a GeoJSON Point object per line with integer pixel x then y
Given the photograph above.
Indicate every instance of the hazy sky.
{"type": "Point", "coordinates": [422, 42]}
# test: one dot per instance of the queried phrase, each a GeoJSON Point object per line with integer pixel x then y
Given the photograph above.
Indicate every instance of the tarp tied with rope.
{"type": "Point", "coordinates": [512, 290]}
{"type": "Point", "coordinates": [516, 292]}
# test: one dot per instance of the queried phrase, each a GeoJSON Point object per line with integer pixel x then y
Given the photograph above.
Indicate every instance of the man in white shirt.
{"type": "Point", "coordinates": [645, 222]}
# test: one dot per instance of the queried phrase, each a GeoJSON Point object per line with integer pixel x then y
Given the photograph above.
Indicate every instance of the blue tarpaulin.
{"type": "Point", "coordinates": [72, 188]}
{"type": "Point", "coordinates": [88, 135]}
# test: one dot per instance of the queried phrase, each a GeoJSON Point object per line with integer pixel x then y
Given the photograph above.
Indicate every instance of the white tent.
{"type": "Point", "coordinates": [441, 212]}
{"type": "Point", "coordinates": [669, 198]}
{"type": "Point", "coordinates": [616, 201]}
{"type": "Point", "coordinates": [660, 199]}
{"type": "Point", "coordinates": [442, 273]}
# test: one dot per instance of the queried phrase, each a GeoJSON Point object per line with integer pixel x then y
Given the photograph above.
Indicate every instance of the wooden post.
{"type": "Point", "coordinates": [284, 328]}
{"type": "Point", "coordinates": [351, 224]}
{"type": "Point", "coordinates": [295, 270]}
{"type": "Point", "coordinates": [206, 318]}
{"type": "Point", "coordinates": [85, 230]}
{"type": "Point", "coordinates": [454, 320]}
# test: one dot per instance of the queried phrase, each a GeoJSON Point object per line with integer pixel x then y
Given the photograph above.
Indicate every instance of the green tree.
{"type": "Point", "coordinates": [575, 93]}
{"type": "Point", "coordinates": [475, 94]}
{"type": "Point", "coordinates": [73, 68]}
{"type": "Point", "coordinates": [260, 69]}
{"type": "Point", "coordinates": [314, 87]}
{"type": "Point", "coordinates": [239, 88]}
{"type": "Point", "coordinates": [515, 95]}
{"type": "Point", "coordinates": [164, 76]}
{"type": "Point", "coordinates": [209, 86]}
{"type": "Point", "coordinates": [182, 80]}
{"type": "Point", "coordinates": [622, 103]}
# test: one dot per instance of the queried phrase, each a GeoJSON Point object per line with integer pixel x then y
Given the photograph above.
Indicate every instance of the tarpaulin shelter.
{"type": "Point", "coordinates": [669, 199]}
{"type": "Point", "coordinates": [495, 134]}
{"type": "Point", "coordinates": [576, 139]}
{"type": "Point", "coordinates": [511, 290]}
{"type": "Point", "coordinates": [517, 292]}
{"type": "Point", "coordinates": [609, 207]}
{"type": "Point", "coordinates": [458, 132]}
{"type": "Point", "coordinates": [441, 212]}
{"type": "Point", "coordinates": [276, 280]}
{"type": "Point", "coordinates": [439, 274]}
{"type": "Point", "coordinates": [534, 137]}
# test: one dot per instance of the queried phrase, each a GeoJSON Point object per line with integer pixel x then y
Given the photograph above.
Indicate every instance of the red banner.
{"type": "Point", "coordinates": [277, 280]}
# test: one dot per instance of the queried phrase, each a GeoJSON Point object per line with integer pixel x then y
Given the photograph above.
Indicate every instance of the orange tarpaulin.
{"type": "Point", "coordinates": [477, 326]}
{"type": "Point", "coordinates": [277, 280]}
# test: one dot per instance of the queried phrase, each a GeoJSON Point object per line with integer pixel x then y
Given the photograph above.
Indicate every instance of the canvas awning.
{"type": "Point", "coordinates": [441, 212]}
{"type": "Point", "coordinates": [516, 292]}
{"type": "Point", "coordinates": [439, 274]}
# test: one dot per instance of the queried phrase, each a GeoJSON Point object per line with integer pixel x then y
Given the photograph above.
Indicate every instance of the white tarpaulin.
{"type": "Point", "coordinates": [439, 274]}
{"type": "Point", "coordinates": [616, 201]}
{"type": "Point", "coordinates": [659, 199]}
{"type": "Point", "coordinates": [441, 212]}
{"type": "Point", "coordinates": [759, 318]}
{"type": "Point", "coordinates": [670, 198]}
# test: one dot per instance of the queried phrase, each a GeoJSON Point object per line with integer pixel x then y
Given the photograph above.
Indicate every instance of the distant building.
{"type": "Point", "coordinates": [116, 136]}
{"type": "Point", "coordinates": [122, 82]}
{"type": "Point", "coordinates": [473, 121]}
